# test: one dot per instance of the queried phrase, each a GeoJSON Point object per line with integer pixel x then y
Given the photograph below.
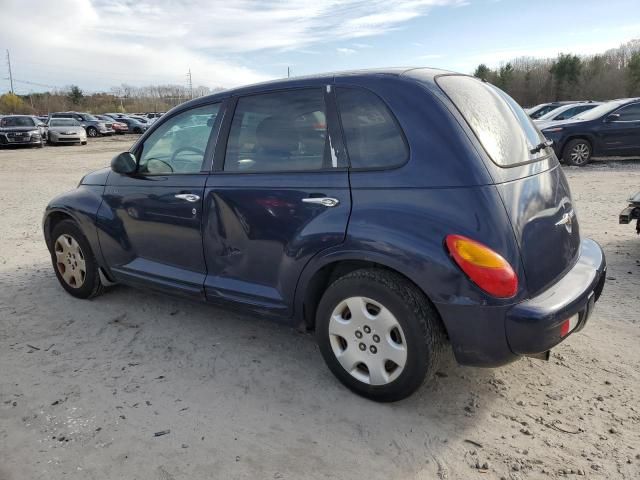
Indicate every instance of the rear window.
{"type": "Point", "coordinates": [503, 128]}
{"type": "Point", "coordinates": [374, 138]}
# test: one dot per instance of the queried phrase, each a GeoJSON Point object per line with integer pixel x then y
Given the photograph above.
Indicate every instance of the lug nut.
{"type": "Point", "coordinates": [376, 338]}
{"type": "Point", "coordinates": [358, 334]}
{"type": "Point", "coordinates": [363, 347]}
{"type": "Point", "coordinates": [373, 349]}
{"type": "Point", "coordinates": [367, 329]}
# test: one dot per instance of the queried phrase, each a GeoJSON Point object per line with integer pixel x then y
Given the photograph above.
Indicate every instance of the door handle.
{"type": "Point", "coordinates": [189, 197]}
{"type": "Point", "coordinates": [325, 201]}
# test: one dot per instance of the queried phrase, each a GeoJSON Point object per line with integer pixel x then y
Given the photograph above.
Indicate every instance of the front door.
{"type": "Point", "coordinates": [621, 136]}
{"type": "Point", "coordinates": [149, 222]}
{"type": "Point", "coordinates": [279, 195]}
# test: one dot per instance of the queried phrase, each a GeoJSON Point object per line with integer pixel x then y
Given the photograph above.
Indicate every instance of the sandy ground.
{"type": "Point", "coordinates": [84, 386]}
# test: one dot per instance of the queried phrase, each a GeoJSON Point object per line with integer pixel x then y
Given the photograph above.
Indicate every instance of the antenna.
{"type": "Point", "coordinates": [10, 74]}
{"type": "Point", "coordinates": [288, 72]}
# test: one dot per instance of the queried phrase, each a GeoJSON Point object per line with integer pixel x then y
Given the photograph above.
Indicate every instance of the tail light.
{"type": "Point", "coordinates": [483, 266]}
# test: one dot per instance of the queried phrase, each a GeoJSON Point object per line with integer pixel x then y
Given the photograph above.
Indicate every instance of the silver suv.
{"type": "Point", "coordinates": [93, 126]}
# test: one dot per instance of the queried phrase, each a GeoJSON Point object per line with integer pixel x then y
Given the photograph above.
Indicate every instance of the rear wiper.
{"type": "Point", "coordinates": [540, 146]}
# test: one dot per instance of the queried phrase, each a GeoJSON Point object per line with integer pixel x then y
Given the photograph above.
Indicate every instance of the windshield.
{"type": "Point", "coordinates": [503, 128]}
{"type": "Point", "coordinates": [597, 112]}
{"type": "Point", "coordinates": [63, 122]}
{"type": "Point", "coordinates": [17, 122]}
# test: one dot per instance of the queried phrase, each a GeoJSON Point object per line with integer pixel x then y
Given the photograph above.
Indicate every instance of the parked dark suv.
{"type": "Point", "coordinates": [394, 212]}
{"type": "Point", "coordinates": [610, 129]}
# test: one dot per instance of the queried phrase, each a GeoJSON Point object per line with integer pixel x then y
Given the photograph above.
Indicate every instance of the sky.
{"type": "Point", "coordinates": [97, 44]}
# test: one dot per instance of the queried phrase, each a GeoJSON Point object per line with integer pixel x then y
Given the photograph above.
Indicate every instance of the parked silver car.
{"type": "Point", "coordinates": [66, 130]}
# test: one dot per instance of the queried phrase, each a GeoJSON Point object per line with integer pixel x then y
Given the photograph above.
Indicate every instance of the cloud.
{"type": "Point", "coordinates": [345, 51]}
{"type": "Point", "coordinates": [98, 43]}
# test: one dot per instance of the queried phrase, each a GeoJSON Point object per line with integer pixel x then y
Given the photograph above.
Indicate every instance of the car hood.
{"type": "Point", "coordinates": [99, 177]}
{"type": "Point", "coordinates": [18, 129]}
{"type": "Point", "coordinates": [559, 123]}
{"type": "Point", "coordinates": [74, 129]}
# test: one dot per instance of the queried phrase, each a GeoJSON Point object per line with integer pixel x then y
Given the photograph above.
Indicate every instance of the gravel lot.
{"type": "Point", "coordinates": [84, 386]}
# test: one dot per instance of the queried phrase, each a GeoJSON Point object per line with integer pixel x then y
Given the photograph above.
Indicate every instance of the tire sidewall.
{"type": "Point", "coordinates": [92, 132]}
{"type": "Point", "coordinates": [92, 277]}
{"type": "Point", "coordinates": [415, 368]}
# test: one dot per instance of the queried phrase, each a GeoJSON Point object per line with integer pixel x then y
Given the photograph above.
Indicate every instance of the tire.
{"type": "Point", "coordinates": [577, 152]}
{"type": "Point", "coordinates": [420, 335]}
{"type": "Point", "coordinates": [92, 132]}
{"type": "Point", "coordinates": [137, 130]}
{"type": "Point", "coordinates": [83, 143]}
{"type": "Point", "coordinates": [89, 284]}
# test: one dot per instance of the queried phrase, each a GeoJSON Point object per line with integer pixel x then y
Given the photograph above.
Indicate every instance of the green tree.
{"type": "Point", "coordinates": [566, 73]}
{"type": "Point", "coordinates": [633, 74]}
{"type": "Point", "coordinates": [483, 72]}
{"type": "Point", "coordinates": [505, 76]}
{"type": "Point", "coordinates": [75, 95]}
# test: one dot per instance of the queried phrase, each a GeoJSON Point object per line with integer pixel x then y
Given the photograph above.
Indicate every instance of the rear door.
{"type": "Point", "coordinates": [150, 221]}
{"type": "Point", "coordinates": [528, 177]}
{"type": "Point", "coordinates": [279, 195]}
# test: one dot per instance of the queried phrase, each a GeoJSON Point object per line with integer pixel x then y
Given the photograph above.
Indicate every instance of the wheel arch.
{"type": "Point", "coordinates": [321, 272]}
{"type": "Point", "coordinates": [577, 136]}
{"type": "Point", "coordinates": [52, 218]}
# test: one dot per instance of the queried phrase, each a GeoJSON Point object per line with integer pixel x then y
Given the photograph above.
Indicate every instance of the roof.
{"type": "Point", "coordinates": [425, 73]}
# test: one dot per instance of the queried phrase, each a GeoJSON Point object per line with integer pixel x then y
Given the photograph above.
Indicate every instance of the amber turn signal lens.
{"type": "Point", "coordinates": [486, 268]}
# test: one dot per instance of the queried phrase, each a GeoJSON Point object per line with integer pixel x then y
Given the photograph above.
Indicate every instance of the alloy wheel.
{"type": "Point", "coordinates": [367, 340]}
{"type": "Point", "coordinates": [70, 260]}
{"type": "Point", "coordinates": [580, 153]}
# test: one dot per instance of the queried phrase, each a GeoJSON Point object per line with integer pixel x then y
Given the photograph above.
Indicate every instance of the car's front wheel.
{"type": "Point", "coordinates": [74, 262]}
{"type": "Point", "coordinates": [379, 334]}
{"type": "Point", "coordinates": [577, 152]}
{"type": "Point", "coordinates": [92, 132]}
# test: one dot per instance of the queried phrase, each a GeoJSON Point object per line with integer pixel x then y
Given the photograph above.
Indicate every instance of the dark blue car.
{"type": "Point", "coordinates": [394, 212]}
{"type": "Point", "coordinates": [610, 129]}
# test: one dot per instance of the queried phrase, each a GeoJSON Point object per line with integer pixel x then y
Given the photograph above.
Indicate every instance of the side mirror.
{"type": "Point", "coordinates": [612, 117]}
{"type": "Point", "coordinates": [124, 163]}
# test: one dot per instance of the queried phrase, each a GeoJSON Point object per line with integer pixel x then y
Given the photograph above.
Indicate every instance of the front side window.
{"type": "Point", "coordinates": [372, 134]}
{"type": "Point", "coordinates": [281, 131]}
{"type": "Point", "coordinates": [630, 113]}
{"type": "Point", "coordinates": [179, 144]}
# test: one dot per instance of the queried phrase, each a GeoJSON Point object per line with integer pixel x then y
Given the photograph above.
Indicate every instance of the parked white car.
{"type": "Point", "coordinates": [66, 130]}
{"type": "Point", "coordinates": [564, 112]}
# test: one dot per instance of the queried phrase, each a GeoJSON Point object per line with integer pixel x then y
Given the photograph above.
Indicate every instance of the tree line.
{"type": "Point", "coordinates": [123, 99]}
{"type": "Point", "coordinates": [530, 81]}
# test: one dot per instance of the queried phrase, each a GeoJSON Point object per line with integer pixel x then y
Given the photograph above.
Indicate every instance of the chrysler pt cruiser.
{"type": "Point", "coordinates": [394, 212]}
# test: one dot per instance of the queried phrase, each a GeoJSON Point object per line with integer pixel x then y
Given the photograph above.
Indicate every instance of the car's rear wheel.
{"type": "Point", "coordinates": [92, 132]}
{"type": "Point", "coordinates": [577, 152]}
{"type": "Point", "coordinates": [73, 261]}
{"type": "Point", "coordinates": [379, 334]}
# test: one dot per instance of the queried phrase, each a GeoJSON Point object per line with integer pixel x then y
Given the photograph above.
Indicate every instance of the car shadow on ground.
{"type": "Point", "coordinates": [132, 346]}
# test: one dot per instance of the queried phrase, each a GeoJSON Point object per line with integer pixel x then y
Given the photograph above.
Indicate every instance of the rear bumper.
{"type": "Point", "coordinates": [535, 325]}
{"type": "Point", "coordinates": [491, 336]}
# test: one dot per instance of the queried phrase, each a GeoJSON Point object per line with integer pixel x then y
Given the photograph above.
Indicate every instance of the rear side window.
{"type": "Point", "coordinates": [374, 138]}
{"type": "Point", "coordinates": [281, 131]}
{"type": "Point", "coordinates": [505, 131]}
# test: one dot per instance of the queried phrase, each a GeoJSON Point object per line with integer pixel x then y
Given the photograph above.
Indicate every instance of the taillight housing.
{"type": "Point", "coordinates": [486, 268]}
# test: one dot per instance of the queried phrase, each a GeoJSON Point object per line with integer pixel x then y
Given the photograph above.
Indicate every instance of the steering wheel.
{"type": "Point", "coordinates": [186, 149]}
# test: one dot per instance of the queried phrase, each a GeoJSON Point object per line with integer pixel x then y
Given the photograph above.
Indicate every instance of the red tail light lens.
{"type": "Point", "coordinates": [483, 266]}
